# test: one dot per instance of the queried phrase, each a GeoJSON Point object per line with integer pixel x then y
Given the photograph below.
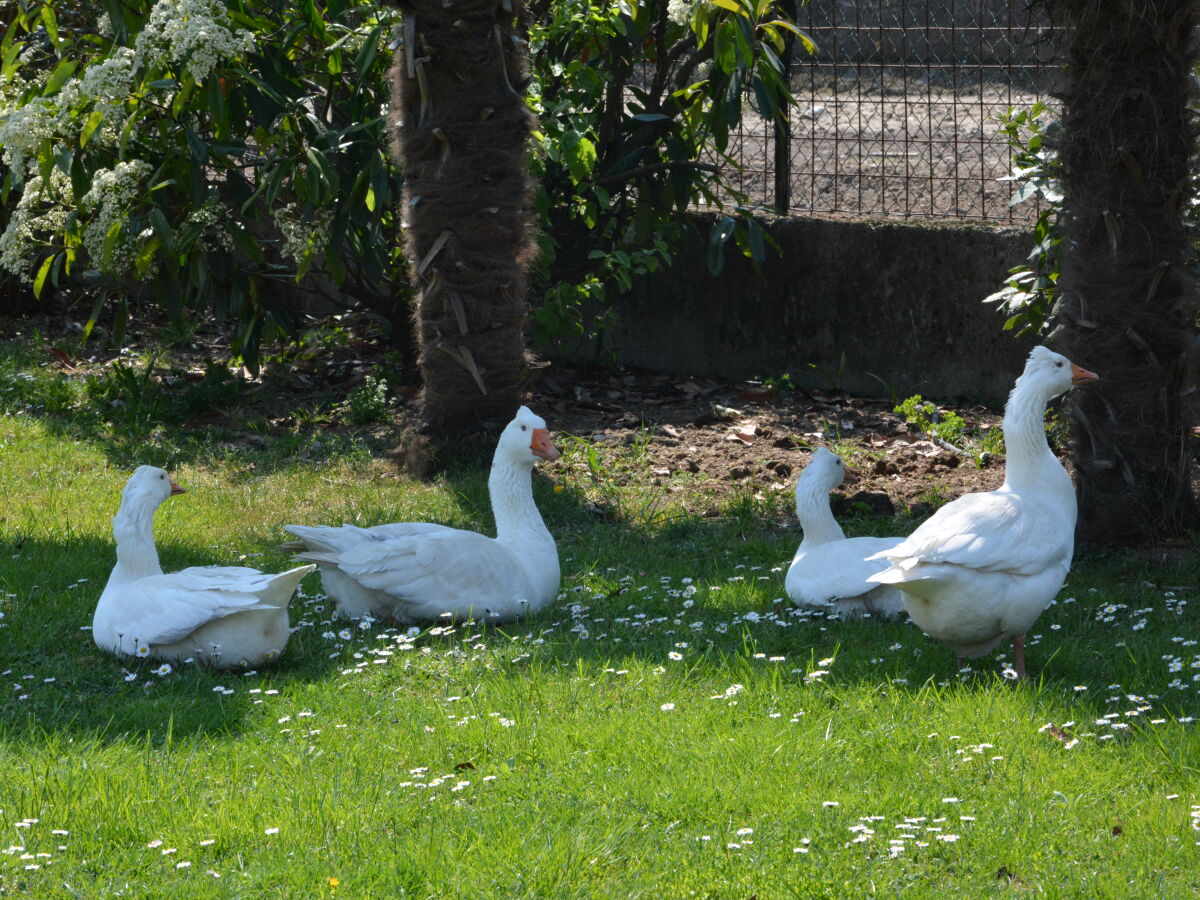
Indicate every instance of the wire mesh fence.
{"type": "Point", "coordinates": [897, 113]}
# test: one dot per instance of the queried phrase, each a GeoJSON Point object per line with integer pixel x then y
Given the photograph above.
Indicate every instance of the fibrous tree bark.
{"type": "Point", "coordinates": [1128, 299]}
{"type": "Point", "coordinates": [462, 130]}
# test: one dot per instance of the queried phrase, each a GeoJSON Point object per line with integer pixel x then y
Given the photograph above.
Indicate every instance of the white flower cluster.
{"type": "Point", "coordinates": [301, 238]}
{"type": "Point", "coordinates": [680, 11]}
{"type": "Point", "coordinates": [112, 193]}
{"type": "Point", "coordinates": [23, 128]}
{"type": "Point", "coordinates": [112, 79]}
{"type": "Point", "coordinates": [209, 218]}
{"type": "Point", "coordinates": [38, 210]}
{"type": "Point", "coordinates": [195, 34]}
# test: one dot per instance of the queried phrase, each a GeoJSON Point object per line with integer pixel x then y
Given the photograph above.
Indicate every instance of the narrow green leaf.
{"type": "Point", "coordinates": [162, 228]}
{"type": "Point", "coordinates": [40, 281]}
{"type": "Point", "coordinates": [89, 126]}
{"type": "Point", "coordinates": [720, 233]}
{"type": "Point", "coordinates": [51, 23]}
{"type": "Point", "coordinates": [197, 146]}
{"type": "Point", "coordinates": [91, 322]}
{"type": "Point", "coordinates": [758, 251]}
{"type": "Point", "coordinates": [370, 198]}
{"type": "Point", "coordinates": [59, 76]}
{"type": "Point", "coordinates": [110, 242]}
{"type": "Point", "coordinates": [145, 256]}
{"type": "Point", "coordinates": [366, 56]}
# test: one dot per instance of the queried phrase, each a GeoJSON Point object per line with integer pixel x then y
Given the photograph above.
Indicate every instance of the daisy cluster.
{"type": "Point", "coordinates": [26, 854]}
{"type": "Point", "coordinates": [896, 835]}
{"type": "Point", "coordinates": [1127, 711]}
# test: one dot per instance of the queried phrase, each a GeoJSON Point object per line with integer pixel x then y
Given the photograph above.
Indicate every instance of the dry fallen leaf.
{"type": "Point", "coordinates": [61, 357]}
{"type": "Point", "coordinates": [745, 434]}
{"type": "Point", "coordinates": [670, 431]}
{"type": "Point", "coordinates": [1058, 734]}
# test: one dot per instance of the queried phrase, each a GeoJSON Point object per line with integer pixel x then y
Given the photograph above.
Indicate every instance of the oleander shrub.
{"type": "Point", "coordinates": [224, 159]}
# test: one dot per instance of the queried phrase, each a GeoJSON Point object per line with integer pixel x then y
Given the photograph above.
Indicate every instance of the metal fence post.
{"type": "Point", "coordinates": [782, 131]}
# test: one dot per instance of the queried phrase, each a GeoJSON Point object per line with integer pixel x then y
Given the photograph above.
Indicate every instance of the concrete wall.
{"type": "Point", "coordinates": [901, 301]}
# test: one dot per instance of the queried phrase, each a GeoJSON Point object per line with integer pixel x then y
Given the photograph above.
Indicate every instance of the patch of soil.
{"type": "Point", "coordinates": [734, 435]}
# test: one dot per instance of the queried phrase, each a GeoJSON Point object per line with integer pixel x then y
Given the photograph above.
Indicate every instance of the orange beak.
{"type": "Point", "coordinates": [1081, 375]}
{"type": "Point", "coordinates": [542, 446]}
{"type": "Point", "coordinates": [176, 489]}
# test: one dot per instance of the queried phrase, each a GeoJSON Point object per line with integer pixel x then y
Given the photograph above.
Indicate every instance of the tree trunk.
{"type": "Point", "coordinates": [462, 131]}
{"type": "Point", "coordinates": [1128, 300]}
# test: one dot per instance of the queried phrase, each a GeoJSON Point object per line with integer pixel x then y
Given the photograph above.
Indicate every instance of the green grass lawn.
{"type": "Point", "coordinates": [664, 730]}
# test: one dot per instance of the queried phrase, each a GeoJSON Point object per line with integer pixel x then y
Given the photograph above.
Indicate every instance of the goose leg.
{"type": "Point", "coordinates": [1019, 655]}
{"type": "Point", "coordinates": [960, 662]}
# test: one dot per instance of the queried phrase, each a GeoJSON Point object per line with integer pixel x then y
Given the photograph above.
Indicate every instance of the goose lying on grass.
{"type": "Point", "coordinates": [223, 616]}
{"type": "Point", "coordinates": [421, 572]}
{"type": "Point", "coordinates": [983, 567]}
{"type": "Point", "coordinates": [829, 570]}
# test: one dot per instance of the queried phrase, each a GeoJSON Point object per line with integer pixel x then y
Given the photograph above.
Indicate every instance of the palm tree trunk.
{"type": "Point", "coordinates": [462, 131]}
{"type": "Point", "coordinates": [1128, 300]}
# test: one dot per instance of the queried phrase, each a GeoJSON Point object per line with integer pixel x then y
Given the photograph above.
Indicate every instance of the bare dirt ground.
{"type": "Point", "coordinates": [737, 436]}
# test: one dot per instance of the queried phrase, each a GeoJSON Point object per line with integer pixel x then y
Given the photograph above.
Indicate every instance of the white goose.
{"type": "Point", "coordinates": [830, 571]}
{"type": "Point", "coordinates": [224, 616]}
{"type": "Point", "coordinates": [421, 572]}
{"type": "Point", "coordinates": [983, 567]}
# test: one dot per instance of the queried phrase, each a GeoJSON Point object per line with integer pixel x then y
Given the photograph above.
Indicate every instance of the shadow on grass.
{"type": "Point", "coordinates": [57, 680]}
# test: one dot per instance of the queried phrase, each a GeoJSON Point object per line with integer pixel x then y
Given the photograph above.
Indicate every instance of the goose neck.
{"type": "Point", "coordinates": [133, 530]}
{"type": "Point", "coordinates": [1025, 445]}
{"type": "Point", "coordinates": [511, 489]}
{"type": "Point", "coordinates": [816, 518]}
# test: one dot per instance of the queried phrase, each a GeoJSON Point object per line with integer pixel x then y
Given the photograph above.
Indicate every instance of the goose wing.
{"type": "Point", "coordinates": [446, 565]}
{"type": "Point", "coordinates": [163, 609]}
{"type": "Point", "coordinates": [991, 532]}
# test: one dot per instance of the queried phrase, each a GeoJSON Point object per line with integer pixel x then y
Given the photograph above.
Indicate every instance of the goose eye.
{"type": "Point", "coordinates": [1059, 364]}
{"type": "Point", "coordinates": [523, 428]}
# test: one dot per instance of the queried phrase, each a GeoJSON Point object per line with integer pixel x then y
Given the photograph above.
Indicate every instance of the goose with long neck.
{"type": "Point", "coordinates": [421, 572]}
{"type": "Point", "coordinates": [983, 567]}
{"type": "Point", "coordinates": [224, 616]}
{"type": "Point", "coordinates": [829, 571]}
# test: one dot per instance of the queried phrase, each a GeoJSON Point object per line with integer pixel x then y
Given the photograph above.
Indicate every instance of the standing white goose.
{"type": "Point", "coordinates": [829, 570]}
{"type": "Point", "coordinates": [224, 616]}
{"type": "Point", "coordinates": [421, 572]}
{"type": "Point", "coordinates": [983, 567]}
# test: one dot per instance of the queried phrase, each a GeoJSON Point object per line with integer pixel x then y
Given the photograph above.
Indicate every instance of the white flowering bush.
{"type": "Point", "coordinates": [213, 157]}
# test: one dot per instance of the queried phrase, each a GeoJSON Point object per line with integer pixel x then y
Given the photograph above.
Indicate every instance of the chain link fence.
{"type": "Point", "coordinates": [897, 113]}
